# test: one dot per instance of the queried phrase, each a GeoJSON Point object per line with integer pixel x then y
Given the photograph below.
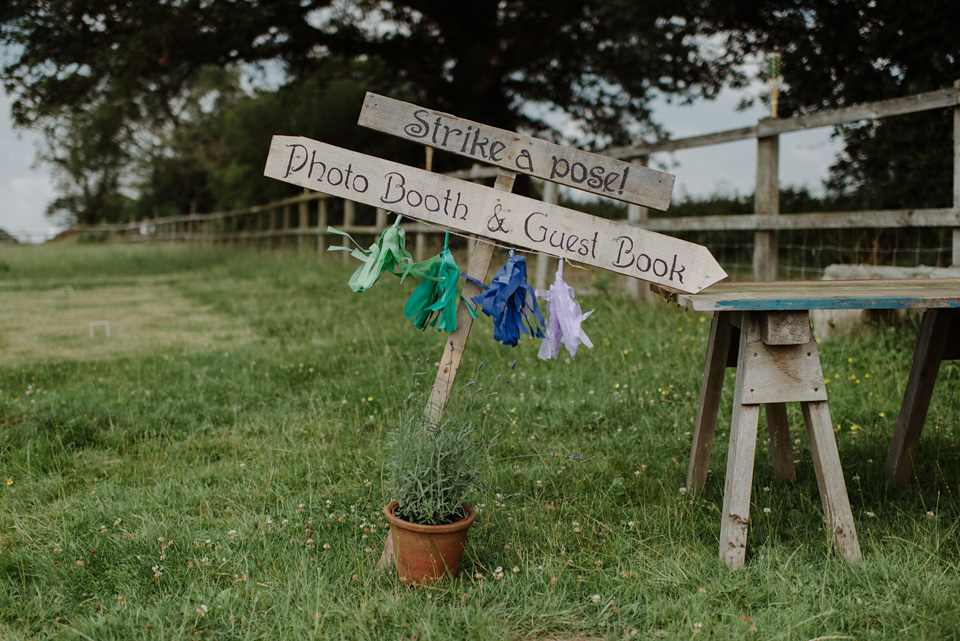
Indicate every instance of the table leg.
{"type": "Point", "coordinates": [718, 350]}
{"type": "Point", "coordinates": [833, 491]}
{"type": "Point", "coordinates": [934, 332]}
{"type": "Point", "coordinates": [737, 486]}
{"type": "Point", "coordinates": [740, 459]}
{"type": "Point", "coordinates": [779, 430]}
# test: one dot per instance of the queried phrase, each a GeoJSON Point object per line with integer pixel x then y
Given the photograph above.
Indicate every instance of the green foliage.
{"type": "Point", "coordinates": [86, 151]}
{"type": "Point", "coordinates": [434, 466]}
{"type": "Point", "coordinates": [839, 54]}
{"type": "Point", "coordinates": [433, 469]}
{"type": "Point", "coordinates": [158, 68]}
{"type": "Point", "coordinates": [899, 163]}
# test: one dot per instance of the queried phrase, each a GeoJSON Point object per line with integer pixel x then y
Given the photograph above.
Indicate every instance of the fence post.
{"type": "Point", "coordinates": [304, 219]}
{"type": "Point", "coordinates": [188, 224]}
{"type": "Point", "coordinates": [322, 226]}
{"type": "Point", "coordinates": [420, 248]}
{"type": "Point", "coordinates": [766, 202]}
{"type": "Point", "coordinates": [349, 213]}
{"type": "Point", "coordinates": [955, 257]}
{"type": "Point", "coordinates": [266, 238]}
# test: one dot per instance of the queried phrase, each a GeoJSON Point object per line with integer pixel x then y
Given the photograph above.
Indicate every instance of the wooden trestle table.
{"type": "Point", "coordinates": [763, 329]}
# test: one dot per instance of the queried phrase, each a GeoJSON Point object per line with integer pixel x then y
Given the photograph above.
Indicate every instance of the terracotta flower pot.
{"type": "Point", "coordinates": [427, 553]}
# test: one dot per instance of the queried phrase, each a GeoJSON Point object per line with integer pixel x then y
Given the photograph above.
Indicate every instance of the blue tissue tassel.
{"type": "Point", "coordinates": [511, 302]}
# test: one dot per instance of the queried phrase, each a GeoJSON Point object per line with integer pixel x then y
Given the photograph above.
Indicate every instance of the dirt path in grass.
{"type": "Point", "coordinates": [72, 322]}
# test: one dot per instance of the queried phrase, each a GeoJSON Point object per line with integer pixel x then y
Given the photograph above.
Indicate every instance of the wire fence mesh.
{"type": "Point", "coordinates": [804, 254]}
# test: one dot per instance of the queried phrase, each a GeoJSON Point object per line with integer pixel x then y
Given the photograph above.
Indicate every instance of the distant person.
{"type": "Point", "coordinates": [146, 229]}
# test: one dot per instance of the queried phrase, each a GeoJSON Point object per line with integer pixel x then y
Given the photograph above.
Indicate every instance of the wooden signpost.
{"type": "Point", "coordinates": [593, 173]}
{"type": "Point", "coordinates": [492, 214]}
{"type": "Point", "coordinates": [496, 215]}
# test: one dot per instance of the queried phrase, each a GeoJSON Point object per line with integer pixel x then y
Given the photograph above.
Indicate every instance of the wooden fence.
{"type": "Point", "coordinates": [301, 222]}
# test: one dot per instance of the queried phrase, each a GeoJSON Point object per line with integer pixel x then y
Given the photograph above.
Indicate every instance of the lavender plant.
{"type": "Point", "coordinates": [434, 467]}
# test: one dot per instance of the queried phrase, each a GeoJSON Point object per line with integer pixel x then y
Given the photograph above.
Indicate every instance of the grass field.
{"type": "Point", "coordinates": [213, 469]}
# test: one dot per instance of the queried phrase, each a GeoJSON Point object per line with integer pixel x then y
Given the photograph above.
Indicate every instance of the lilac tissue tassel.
{"type": "Point", "coordinates": [563, 327]}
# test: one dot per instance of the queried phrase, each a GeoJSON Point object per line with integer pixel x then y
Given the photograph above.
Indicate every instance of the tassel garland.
{"type": "Point", "coordinates": [508, 300]}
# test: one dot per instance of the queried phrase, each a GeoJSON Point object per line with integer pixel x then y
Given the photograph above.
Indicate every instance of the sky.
{"type": "Point", "coordinates": [26, 188]}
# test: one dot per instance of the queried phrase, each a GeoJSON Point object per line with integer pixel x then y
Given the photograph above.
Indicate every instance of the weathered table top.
{"type": "Point", "coordinates": [824, 294]}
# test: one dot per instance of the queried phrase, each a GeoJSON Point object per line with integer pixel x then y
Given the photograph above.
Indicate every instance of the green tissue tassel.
{"type": "Point", "coordinates": [388, 254]}
{"type": "Point", "coordinates": [434, 301]}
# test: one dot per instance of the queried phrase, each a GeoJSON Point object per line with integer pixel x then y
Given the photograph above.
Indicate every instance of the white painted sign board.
{"type": "Point", "coordinates": [502, 217]}
{"type": "Point", "coordinates": [593, 173]}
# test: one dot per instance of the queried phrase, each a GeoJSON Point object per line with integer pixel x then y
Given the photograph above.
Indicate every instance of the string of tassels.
{"type": "Point", "coordinates": [508, 300]}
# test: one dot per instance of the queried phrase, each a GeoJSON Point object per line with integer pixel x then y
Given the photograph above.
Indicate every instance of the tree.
{"type": "Point", "coordinates": [846, 52]}
{"type": "Point", "coordinates": [85, 151]}
{"type": "Point", "coordinates": [517, 64]}
{"type": "Point", "coordinates": [217, 158]}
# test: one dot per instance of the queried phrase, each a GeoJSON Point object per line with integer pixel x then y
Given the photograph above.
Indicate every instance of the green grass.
{"type": "Point", "coordinates": [221, 477]}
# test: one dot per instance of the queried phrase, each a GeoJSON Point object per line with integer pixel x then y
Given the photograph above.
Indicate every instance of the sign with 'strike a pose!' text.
{"type": "Point", "coordinates": [589, 172]}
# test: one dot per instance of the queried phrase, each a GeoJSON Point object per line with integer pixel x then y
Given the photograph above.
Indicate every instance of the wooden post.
{"type": "Point", "coordinates": [778, 362]}
{"type": "Point", "coordinates": [833, 490]}
{"type": "Point", "coordinates": [766, 203]}
{"type": "Point", "coordinates": [543, 260]}
{"type": "Point", "coordinates": [955, 258]}
{"type": "Point", "coordinates": [472, 242]}
{"type": "Point", "coordinates": [934, 333]}
{"type": "Point", "coordinates": [711, 389]}
{"type": "Point", "coordinates": [420, 248]}
{"type": "Point", "coordinates": [281, 241]}
{"type": "Point", "coordinates": [302, 223]}
{"type": "Point", "coordinates": [322, 227]}
{"type": "Point", "coordinates": [636, 214]}
{"type": "Point", "coordinates": [267, 237]}
{"type": "Point", "coordinates": [349, 213]}
{"type": "Point", "coordinates": [453, 351]}
{"type": "Point", "coordinates": [740, 454]}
